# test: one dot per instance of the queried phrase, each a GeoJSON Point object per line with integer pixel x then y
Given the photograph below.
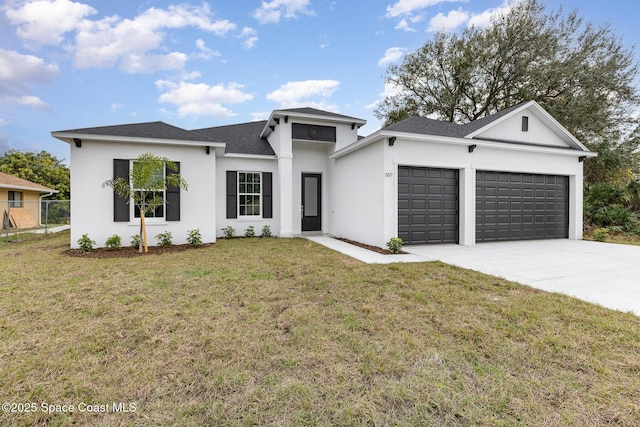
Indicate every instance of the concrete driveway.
{"type": "Point", "coordinates": [602, 273]}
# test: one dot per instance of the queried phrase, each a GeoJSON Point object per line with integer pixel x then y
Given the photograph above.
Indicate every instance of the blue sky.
{"type": "Point", "coordinates": [68, 64]}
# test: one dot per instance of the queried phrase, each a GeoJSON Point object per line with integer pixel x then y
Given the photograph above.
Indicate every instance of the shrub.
{"type": "Point", "coordinates": [616, 216]}
{"type": "Point", "coordinates": [612, 206]}
{"type": "Point", "coordinates": [395, 245]}
{"type": "Point", "coordinates": [194, 238]}
{"type": "Point", "coordinates": [114, 242]}
{"type": "Point", "coordinates": [135, 241]}
{"type": "Point", "coordinates": [164, 239]}
{"type": "Point", "coordinates": [85, 244]}
{"type": "Point", "coordinates": [266, 231]}
{"type": "Point", "coordinates": [249, 232]}
{"type": "Point", "coordinates": [229, 232]}
{"type": "Point", "coordinates": [600, 234]}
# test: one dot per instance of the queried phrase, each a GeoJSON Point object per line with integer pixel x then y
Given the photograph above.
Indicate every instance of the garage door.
{"type": "Point", "coordinates": [519, 206]}
{"type": "Point", "coordinates": [427, 205]}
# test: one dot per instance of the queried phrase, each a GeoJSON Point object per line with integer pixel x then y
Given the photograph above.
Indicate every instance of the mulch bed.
{"type": "Point", "coordinates": [128, 252]}
{"type": "Point", "coordinates": [369, 247]}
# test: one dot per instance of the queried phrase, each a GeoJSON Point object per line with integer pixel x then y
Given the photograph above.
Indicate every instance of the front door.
{"type": "Point", "coordinates": [311, 202]}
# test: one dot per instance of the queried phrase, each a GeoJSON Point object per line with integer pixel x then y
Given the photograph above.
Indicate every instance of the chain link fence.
{"type": "Point", "coordinates": [26, 219]}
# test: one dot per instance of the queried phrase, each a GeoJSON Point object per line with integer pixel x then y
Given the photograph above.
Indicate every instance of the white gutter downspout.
{"type": "Point", "coordinates": [40, 206]}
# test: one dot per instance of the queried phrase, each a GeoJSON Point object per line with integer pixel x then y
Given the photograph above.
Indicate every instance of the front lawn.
{"type": "Point", "coordinates": [286, 332]}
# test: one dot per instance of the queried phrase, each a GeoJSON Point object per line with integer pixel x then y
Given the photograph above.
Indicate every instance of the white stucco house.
{"type": "Point", "coordinates": [514, 175]}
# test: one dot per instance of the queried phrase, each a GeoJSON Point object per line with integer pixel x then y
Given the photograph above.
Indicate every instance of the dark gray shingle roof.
{"type": "Point", "coordinates": [243, 138]}
{"type": "Point", "coordinates": [155, 130]}
{"type": "Point", "coordinates": [424, 126]}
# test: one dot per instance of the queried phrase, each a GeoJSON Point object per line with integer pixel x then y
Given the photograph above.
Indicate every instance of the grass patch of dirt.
{"type": "Point", "coordinates": [286, 332]}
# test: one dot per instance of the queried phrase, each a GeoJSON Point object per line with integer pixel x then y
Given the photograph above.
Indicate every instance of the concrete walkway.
{"type": "Point", "coordinates": [603, 273]}
{"type": "Point", "coordinates": [364, 255]}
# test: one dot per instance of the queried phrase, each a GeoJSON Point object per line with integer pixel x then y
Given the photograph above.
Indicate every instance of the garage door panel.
{"type": "Point", "coordinates": [518, 206]}
{"type": "Point", "coordinates": [450, 205]}
{"type": "Point", "coordinates": [428, 199]}
{"type": "Point", "coordinates": [419, 204]}
{"type": "Point", "coordinates": [418, 219]}
{"type": "Point", "coordinates": [418, 188]}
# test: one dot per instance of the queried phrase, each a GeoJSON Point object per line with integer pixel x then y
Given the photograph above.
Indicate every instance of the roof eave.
{"type": "Point", "coordinates": [25, 188]}
{"type": "Point", "coordinates": [317, 117]}
{"type": "Point", "coordinates": [69, 137]}
{"type": "Point", "coordinates": [382, 134]}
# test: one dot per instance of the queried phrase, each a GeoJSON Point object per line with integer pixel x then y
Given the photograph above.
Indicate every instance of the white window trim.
{"type": "Point", "coordinates": [132, 208]}
{"type": "Point", "coordinates": [261, 197]}
{"type": "Point", "coordinates": [15, 203]}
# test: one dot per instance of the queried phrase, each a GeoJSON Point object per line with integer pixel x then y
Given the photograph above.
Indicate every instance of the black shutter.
{"type": "Point", "coordinates": [120, 205]}
{"type": "Point", "coordinates": [172, 202]}
{"type": "Point", "coordinates": [267, 195]}
{"type": "Point", "coordinates": [232, 194]}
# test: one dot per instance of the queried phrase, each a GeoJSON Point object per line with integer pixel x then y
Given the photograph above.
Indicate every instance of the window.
{"type": "Point", "coordinates": [155, 197]}
{"type": "Point", "coordinates": [525, 124]}
{"type": "Point", "coordinates": [15, 199]}
{"type": "Point", "coordinates": [249, 193]}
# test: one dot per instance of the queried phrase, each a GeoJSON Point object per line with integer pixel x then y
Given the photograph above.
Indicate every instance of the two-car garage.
{"type": "Point", "coordinates": [508, 205]}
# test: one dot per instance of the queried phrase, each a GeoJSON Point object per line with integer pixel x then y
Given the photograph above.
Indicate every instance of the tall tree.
{"type": "Point", "coordinates": [41, 167]}
{"type": "Point", "coordinates": [579, 72]}
{"type": "Point", "coordinates": [146, 180]}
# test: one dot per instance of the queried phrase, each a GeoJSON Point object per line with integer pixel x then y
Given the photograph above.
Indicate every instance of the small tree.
{"type": "Point", "coordinates": [146, 179]}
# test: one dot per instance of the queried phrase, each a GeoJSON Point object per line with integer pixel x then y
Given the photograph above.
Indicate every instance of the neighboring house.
{"type": "Point", "coordinates": [514, 175]}
{"type": "Point", "coordinates": [20, 201]}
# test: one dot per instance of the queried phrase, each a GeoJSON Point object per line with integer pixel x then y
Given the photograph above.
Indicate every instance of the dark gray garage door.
{"type": "Point", "coordinates": [520, 206]}
{"type": "Point", "coordinates": [427, 205]}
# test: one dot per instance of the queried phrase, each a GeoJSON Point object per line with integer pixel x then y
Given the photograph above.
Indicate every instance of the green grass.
{"type": "Point", "coordinates": [286, 332]}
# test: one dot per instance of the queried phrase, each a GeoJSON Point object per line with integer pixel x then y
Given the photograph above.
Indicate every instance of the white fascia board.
{"type": "Point", "coordinates": [316, 117]}
{"type": "Point", "coordinates": [460, 141]}
{"type": "Point", "coordinates": [544, 116]}
{"type": "Point", "coordinates": [358, 144]}
{"type": "Point", "coordinates": [23, 188]}
{"type": "Point", "coordinates": [68, 138]}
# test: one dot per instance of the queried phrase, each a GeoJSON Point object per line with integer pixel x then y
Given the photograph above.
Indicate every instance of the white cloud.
{"type": "Point", "coordinates": [200, 99]}
{"type": "Point", "coordinates": [260, 115]}
{"type": "Point", "coordinates": [448, 22]}
{"type": "Point", "coordinates": [271, 12]}
{"type": "Point", "coordinates": [483, 19]}
{"type": "Point", "coordinates": [324, 42]}
{"type": "Point", "coordinates": [28, 101]}
{"type": "Point", "coordinates": [17, 69]}
{"type": "Point", "coordinates": [116, 106]}
{"type": "Point", "coordinates": [410, 7]}
{"type": "Point", "coordinates": [250, 37]}
{"type": "Point", "coordinates": [18, 72]}
{"type": "Point", "coordinates": [297, 94]}
{"type": "Point", "coordinates": [184, 15]}
{"type": "Point", "coordinates": [205, 52]}
{"type": "Point", "coordinates": [389, 90]}
{"type": "Point", "coordinates": [143, 64]}
{"type": "Point", "coordinates": [393, 54]}
{"type": "Point", "coordinates": [113, 40]}
{"type": "Point", "coordinates": [46, 21]}
{"type": "Point", "coordinates": [404, 26]}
